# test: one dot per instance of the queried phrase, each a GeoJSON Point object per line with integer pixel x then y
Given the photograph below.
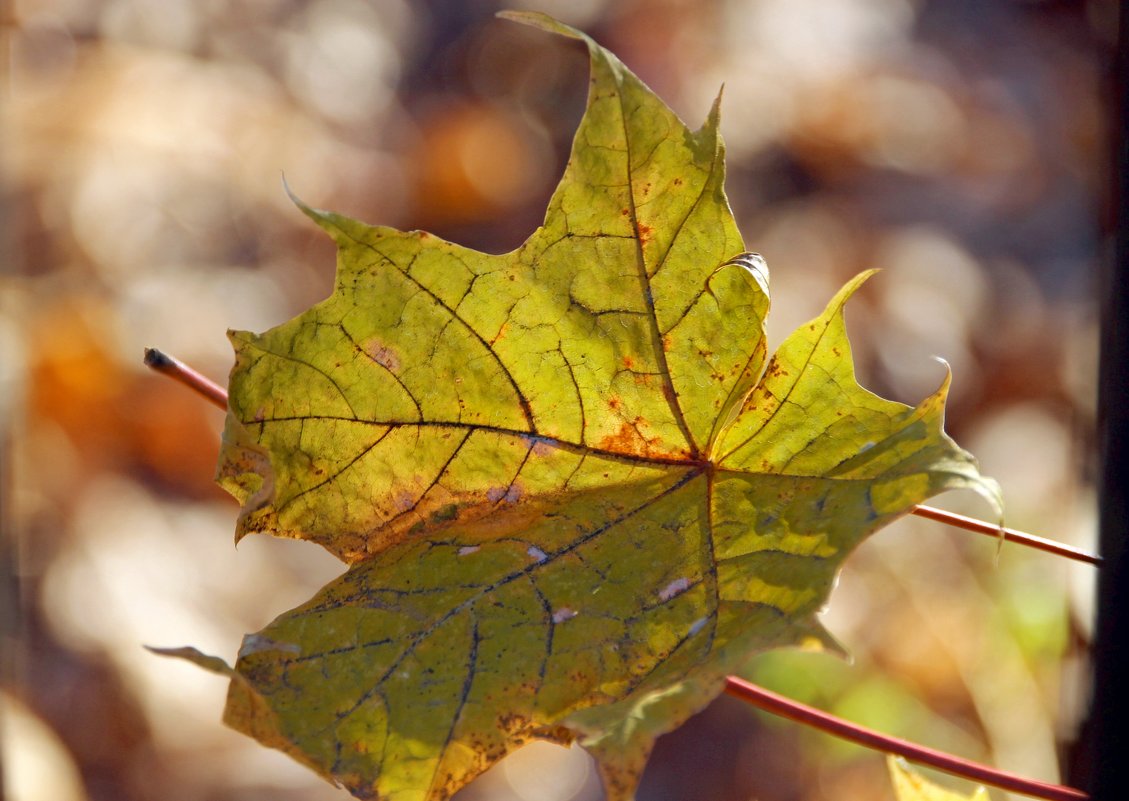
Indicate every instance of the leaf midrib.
{"type": "Point", "coordinates": [670, 394]}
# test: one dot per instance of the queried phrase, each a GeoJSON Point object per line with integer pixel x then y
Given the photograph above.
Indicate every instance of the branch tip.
{"type": "Point", "coordinates": [179, 371]}
{"type": "Point", "coordinates": [156, 359]}
{"type": "Point", "coordinates": [1009, 534]}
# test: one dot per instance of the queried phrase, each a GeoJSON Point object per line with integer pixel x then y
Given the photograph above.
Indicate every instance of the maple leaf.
{"type": "Point", "coordinates": [572, 493]}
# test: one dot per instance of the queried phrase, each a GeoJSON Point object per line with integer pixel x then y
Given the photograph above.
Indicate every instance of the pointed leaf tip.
{"type": "Point", "coordinates": [319, 216]}
{"type": "Point", "coordinates": [213, 664]}
{"type": "Point", "coordinates": [538, 19]}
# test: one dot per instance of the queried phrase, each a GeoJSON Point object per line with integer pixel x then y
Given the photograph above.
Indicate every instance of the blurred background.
{"type": "Point", "coordinates": [960, 145]}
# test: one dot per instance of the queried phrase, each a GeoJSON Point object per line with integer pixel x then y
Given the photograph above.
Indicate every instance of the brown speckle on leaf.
{"type": "Point", "coordinates": [403, 501]}
{"type": "Point", "coordinates": [380, 353]}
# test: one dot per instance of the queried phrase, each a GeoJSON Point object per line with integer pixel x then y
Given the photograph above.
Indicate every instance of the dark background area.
{"type": "Point", "coordinates": [960, 145]}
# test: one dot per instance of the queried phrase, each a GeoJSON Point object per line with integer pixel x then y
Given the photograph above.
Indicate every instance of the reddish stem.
{"type": "Point", "coordinates": [801, 713]}
{"type": "Point", "coordinates": [778, 704]}
{"type": "Point", "coordinates": [179, 371]}
{"type": "Point", "coordinates": [1009, 534]}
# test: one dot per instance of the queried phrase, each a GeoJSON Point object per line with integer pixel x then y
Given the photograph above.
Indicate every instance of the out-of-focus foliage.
{"type": "Point", "coordinates": [958, 145]}
{"type": "Point", "coordinates": [909, 785]}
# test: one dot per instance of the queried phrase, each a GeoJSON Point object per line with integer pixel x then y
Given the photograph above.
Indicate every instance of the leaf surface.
{"type": "Point", "coordinates": [571, 492]}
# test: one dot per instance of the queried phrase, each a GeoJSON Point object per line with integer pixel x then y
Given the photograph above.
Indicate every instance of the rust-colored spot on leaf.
{"type": "Point", "coordinates": [628, 362]}
{"type": "Point", "coordinates": [626, 440]}
{"type": "Point", "coordinates": [774, 370]}
{"type": "Point", "coordinates": [629, 439]}
{"type": "Point", "coordinates": [380, 353]}
{"type": "Point", "coordinates": [644, 232]}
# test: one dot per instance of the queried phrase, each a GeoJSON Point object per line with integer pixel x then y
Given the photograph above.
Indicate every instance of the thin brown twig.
{"type": "Point", "coordinates": [810, 716]}
{"type": "Point", "coordinates": [778, 704]}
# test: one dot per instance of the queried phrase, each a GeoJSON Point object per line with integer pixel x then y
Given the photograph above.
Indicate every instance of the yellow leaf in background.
{"type": "Point", "coordinates": [909, 785]}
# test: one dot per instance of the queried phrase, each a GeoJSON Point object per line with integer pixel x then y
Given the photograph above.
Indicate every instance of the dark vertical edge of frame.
{"type": "Point", "coordinates": [1108, 726]}
{"type": "Point", "coordinates": [12, 607]}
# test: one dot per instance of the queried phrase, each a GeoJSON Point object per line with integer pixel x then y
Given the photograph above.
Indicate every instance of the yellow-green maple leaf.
{"type": "Point", "coordinates": [572, 493]}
